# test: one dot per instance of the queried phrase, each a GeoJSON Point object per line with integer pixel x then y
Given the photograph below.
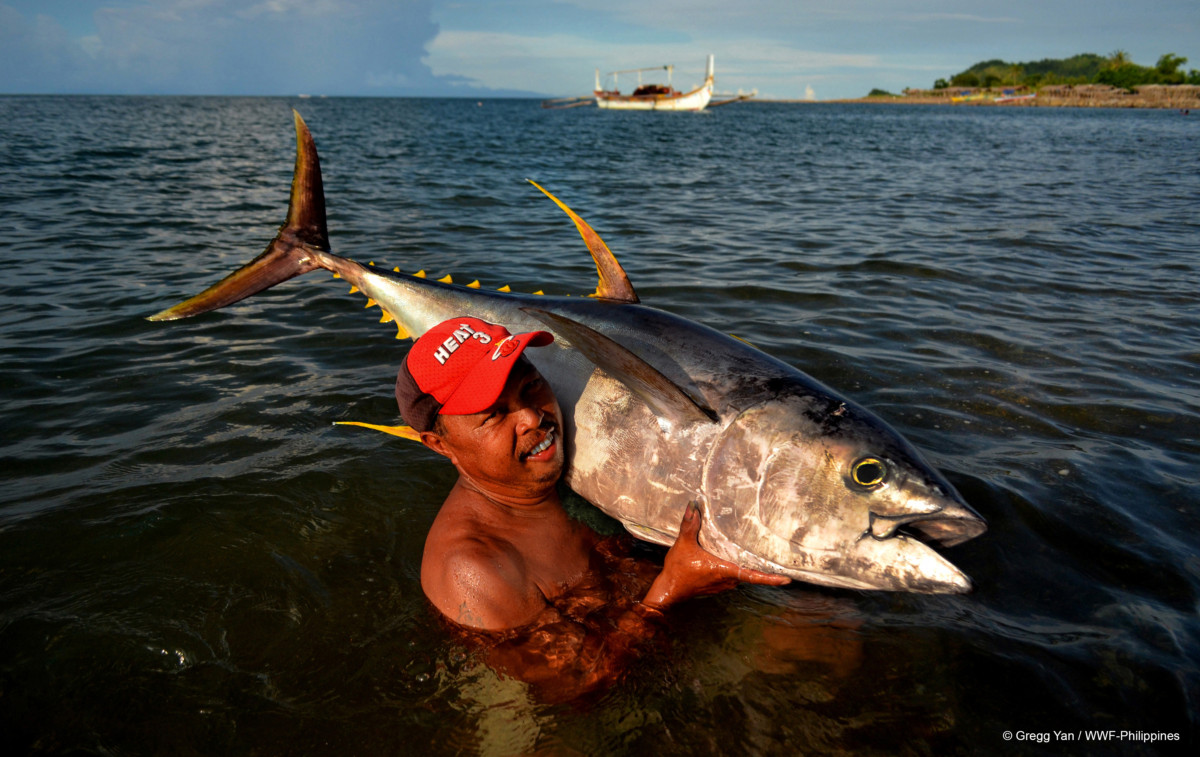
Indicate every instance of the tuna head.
{"type": "Point", "coordinates": [821, 490]}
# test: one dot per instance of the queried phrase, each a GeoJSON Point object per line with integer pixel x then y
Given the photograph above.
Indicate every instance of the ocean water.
{"type": "Point", "coordinates": [194, 560]}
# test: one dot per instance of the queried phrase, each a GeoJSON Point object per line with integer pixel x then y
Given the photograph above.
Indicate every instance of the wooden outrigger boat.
{"type": "Point", "coordinates": [654, 96]}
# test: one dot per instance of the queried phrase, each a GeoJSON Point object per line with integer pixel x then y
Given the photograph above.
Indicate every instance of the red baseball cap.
{"type": "Point", "coordinates": [459, 367]}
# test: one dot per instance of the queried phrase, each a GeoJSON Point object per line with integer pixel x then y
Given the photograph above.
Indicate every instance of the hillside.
{"type": "Point", "coordinates": [1116, 70]}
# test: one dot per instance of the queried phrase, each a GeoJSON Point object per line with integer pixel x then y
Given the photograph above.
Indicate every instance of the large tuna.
{"type": "Point", "coordinates": [660, 410]}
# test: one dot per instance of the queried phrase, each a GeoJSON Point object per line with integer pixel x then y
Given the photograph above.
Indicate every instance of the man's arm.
{"type": "Point", "coordinates": [483, 586]}
{"type": "Point", "coordinates": [566, 656]}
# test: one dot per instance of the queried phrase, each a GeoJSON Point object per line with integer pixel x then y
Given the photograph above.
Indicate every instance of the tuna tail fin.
{"type": "Point", "coordinates": [613, 284]}
{"type": "Point", "coordinates": [289, 254]}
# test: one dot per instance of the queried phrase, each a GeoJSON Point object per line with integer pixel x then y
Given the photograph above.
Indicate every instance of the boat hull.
{"type": "Point", "coordinates": [695, 100]}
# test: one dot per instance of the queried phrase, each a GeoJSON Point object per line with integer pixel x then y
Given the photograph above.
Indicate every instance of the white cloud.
{"type": "Point", "coordinates": [564, 64]}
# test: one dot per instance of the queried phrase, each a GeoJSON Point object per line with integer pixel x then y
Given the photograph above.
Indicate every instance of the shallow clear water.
{"type": "Point", "coordinates": [193, 559]}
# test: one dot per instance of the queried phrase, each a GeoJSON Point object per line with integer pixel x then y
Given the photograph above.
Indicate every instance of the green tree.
{"type": "Point", "coordinates": [1128, 76]}
{"type": "Point", "coordinates": [965, 79]}
{"type": "Point", "coordinates": [941, 84]}
{"type": "Point", "coordinates": [1118, 58]}
{"type": "Point", "coordinates": [1168, 68]}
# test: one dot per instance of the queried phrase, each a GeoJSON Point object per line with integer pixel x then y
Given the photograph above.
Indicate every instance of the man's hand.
{"type": "Point", "coordinates": [689, 571]}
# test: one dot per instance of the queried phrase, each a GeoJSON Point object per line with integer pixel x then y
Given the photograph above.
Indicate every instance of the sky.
{"type": "Point", "coordinates": [788, 49]}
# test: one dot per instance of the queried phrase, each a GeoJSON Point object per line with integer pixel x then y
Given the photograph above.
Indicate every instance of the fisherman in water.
{"type": "Point", "coordinates": [503, 559]}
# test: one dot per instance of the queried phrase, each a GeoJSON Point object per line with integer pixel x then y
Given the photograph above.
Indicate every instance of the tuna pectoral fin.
{"type": "Point", "coordinates": [290, 254]}
{"type": "Point", "coordinates": [404, 432]}
{"type": "Point", "coordinates": [663, 396]}
{"type": "Point", "coordinates": [613, 284]}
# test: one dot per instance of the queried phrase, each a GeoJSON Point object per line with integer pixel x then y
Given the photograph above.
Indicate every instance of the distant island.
{"type": "Point", "coordinates": [1085, 80]}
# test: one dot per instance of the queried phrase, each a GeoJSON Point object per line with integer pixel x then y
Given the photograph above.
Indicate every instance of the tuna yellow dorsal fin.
{"type": "Point", "coordinates": [613, 284]}
{"type": "Point", "coordinates": [505, 288]}
{"type": "Point", "coordinates": [404, 432]}
{"type": "Point", "coordinates": [386, 317]}
{"type": "Point", "coordinates": [474, 284]}
{"type": "Point", "coordinates": [447, 279]}
{"type": "Point", "coordinates": [370, 303]}
{"type": "Point", "coordinates": [420, 274]}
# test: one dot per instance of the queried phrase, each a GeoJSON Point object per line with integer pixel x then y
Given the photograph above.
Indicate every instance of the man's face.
{"type": "Point", "coordinates": [515, 446]}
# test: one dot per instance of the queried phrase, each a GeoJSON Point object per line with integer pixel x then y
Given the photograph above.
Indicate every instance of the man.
{"type": "Point", "coordinates": [502, 553]}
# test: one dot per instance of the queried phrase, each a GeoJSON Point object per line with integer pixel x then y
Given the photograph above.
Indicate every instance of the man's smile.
{"type": "Point", "coordinates": [543, 449]}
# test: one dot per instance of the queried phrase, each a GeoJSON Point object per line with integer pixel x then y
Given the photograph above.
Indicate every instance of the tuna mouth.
{"type": "Point", "coordinates": [907, 559]}
{"type": "Point", "coordinates": [947, 532]}
{"type": "Point", "coordinates": [953, 524]}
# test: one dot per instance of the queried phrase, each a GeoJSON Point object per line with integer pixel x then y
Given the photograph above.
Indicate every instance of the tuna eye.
{"type": "Point", "coordinates": [869, 472]}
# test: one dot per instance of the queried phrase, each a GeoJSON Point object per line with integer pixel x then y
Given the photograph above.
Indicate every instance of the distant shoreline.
{"type": "Point", "coordinates": [1163, 97]}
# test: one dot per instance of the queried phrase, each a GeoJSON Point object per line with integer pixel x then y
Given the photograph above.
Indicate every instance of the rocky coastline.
{"type": "Point", "coordinates": [1184, 97]}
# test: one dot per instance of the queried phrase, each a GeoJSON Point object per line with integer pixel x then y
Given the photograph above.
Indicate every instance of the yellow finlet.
{"type": "Point", "coordinates": [446, 279]}
{"type": "Point", "coordinates": [539, 292]}
{"type": "Point", "coordinates": [396, 269]}
{"type": "Point", "coordinates": [420, 274]}
{"type": "Point", "coordinates": [404, 432]}
{"type": "Point", "coordinates": [386, 317]}
{"type": "Point", "coordinates": [370, 303]}
{"type": "Point", "coordinates": [372, 262]}
{"type": "Point", "coordinates": [505, 288]}
{"type": "Point", "coordinates": [353, 289]}
{"type": "Point", "coordinates": [401, 332]}
{"type": "Point", "coordinates": [474, 284]}
{"type": "Point", "coordinates": [337, 275]}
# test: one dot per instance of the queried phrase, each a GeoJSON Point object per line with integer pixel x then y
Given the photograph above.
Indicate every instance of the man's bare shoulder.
{"type": "Point", "coordinates": [476, 578]}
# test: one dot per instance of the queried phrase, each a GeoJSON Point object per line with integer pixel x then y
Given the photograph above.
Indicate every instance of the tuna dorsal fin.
{"type": "Point", "coordinates": [666, 398]}
{"type": "Point", "coordinates": [613, 284]}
